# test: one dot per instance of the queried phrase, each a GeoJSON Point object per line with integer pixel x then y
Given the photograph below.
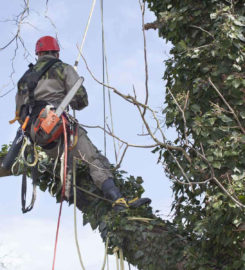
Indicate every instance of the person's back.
{"type": "Point", "coordinates": [52, 87]}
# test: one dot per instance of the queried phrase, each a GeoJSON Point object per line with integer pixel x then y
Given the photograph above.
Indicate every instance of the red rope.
{"type": "Point", "coordinates": [63, 189]}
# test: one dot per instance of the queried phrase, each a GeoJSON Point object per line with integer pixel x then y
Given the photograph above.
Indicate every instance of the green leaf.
{"type": "Point", "coordinates": [217, 204]}
{"type": "Point", "coordinates": [182, 45]}
{"type": "Point", "coordinates": [225, 118]}
{"type": "Point", "coordinates": [216, 164]}
{"type": "Point", "coordinates": [237, 67]}
{"type": "Point", "coordinates": [213, 16]}
{"type": "Point", "coordinates": [225, 129]}
{"type": "Point", "coordinates": [211, 121]}
{"type": "Point", "coordinates": [241, 37]}
{"type": "Point", "coordinates": [218, 152]}
{"type": "Point", "coordinates": [195, 108]}
{"type": "Point", "coordinates": [242, 114]}
{"type": "Point", "coordinates": [139, 254]}
{"type": "Point", "coordinates": [242, 198]}
{"type": "Point", "coordinates": [236, 83]}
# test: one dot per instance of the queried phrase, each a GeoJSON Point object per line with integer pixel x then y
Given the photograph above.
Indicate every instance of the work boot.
{"type": "Point", "coordinates": [113, 193]}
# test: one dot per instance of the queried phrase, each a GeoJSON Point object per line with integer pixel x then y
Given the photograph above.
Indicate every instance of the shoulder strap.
{"type": "Point", "coordinates": [47, 66]}
{"type": "Point", "coordinates": [32, 84]}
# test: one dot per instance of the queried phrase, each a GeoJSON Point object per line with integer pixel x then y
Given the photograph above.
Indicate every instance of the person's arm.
{"type": "Point", "coordinates": [80, 100]}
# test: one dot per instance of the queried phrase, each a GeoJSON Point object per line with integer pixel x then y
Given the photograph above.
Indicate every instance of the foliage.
{"type": "Point", "coordinates": [205, 77]}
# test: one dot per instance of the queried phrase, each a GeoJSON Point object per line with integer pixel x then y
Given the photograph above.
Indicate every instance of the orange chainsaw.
{"type": "Point", "coordinates": [48, 126]}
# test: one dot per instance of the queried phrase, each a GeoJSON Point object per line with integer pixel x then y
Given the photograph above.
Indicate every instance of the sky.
{"type": "Point", "coordinates": [27, 241]}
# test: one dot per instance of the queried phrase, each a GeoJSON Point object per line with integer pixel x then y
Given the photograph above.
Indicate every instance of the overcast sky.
{"type": "Point", "coordinates": [29, 239]}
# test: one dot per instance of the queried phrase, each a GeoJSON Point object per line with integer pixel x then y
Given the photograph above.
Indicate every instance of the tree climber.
{"type": "Point", "coordinates": [43, 87]}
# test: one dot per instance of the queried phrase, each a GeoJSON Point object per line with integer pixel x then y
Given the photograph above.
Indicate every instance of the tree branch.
{"type": "Point", "coordinates": [227, 104]}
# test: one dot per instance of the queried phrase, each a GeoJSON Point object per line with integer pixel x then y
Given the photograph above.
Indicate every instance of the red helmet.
{"type": "Point", "coordinates": [47, 43]}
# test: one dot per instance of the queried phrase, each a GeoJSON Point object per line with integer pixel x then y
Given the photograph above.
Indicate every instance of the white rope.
{"type": "Point", "coordinates": [105, 68]}
{"type": "Point", "coordinates": [121, 259]}
{"type": "Point", "coordinates": [85, 34]}
{"type": "Point", "coordinates": [106, 254]}
{"type": "Point", "coordinates": [115, 251]}
{"type": "Point", "coordinates": [74, 180]}
{"type": "Point", "coordinates": [83, 40]}
{"type": "Point", "coordinates": [75, 212]}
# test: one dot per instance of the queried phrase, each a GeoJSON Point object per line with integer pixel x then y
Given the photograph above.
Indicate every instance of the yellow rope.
{"type": "Point", "coordinates": [120, 201]}
{"type": "Point", "coordinates": [75, 213]}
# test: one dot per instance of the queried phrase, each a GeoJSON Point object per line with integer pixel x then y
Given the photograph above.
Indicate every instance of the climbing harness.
{"type": "Point", "coordinates": [30, 79]}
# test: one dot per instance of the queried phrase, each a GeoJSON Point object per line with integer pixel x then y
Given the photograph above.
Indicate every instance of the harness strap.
{"type": "Point", "coordinates": [24, 189]}
{"type": "Point", "coordinates": [33, 83]}
{"type": "Point", "coordinates": [34, 176]}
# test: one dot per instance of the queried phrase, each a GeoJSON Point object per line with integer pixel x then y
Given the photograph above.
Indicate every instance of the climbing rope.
{"type": "Point", "coordinates": [75, 212]}
{"type": "Point", "coordinates": [115, 251]}
{"type": "Point", "coordinates": [27, 142]}
{"type": "Point", "coordinates": [121, 259]}
{"type": "Point", "coordinates": [63, 188]}
{"type": "Point", "coordinates": [106, 253]}
{"type": "Point", "coordinates": [83, 40]}
{"type": "Point", "coordinates": [118, 251]}
{"type": "Point", "coordinates": [84, 35]}
{"type": "Point", "coordinates": [21, 157]}
{"type": "Point", "coordinates": [105, 70]}
{"type": "Point", "coordinates": [93, 194]}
